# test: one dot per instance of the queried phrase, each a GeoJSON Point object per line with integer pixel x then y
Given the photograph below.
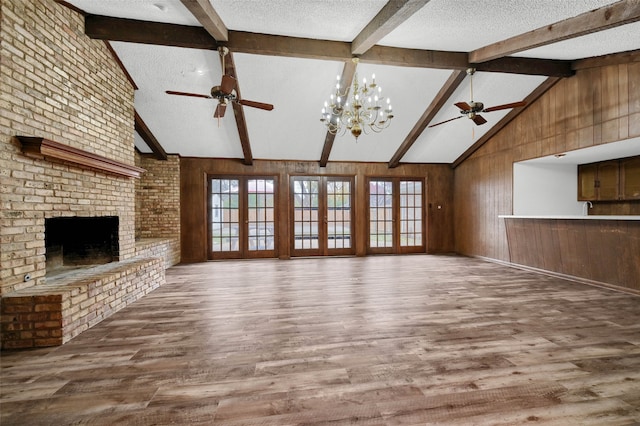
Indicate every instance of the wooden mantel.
{"type": "Point", "coordinates": [41, 147]}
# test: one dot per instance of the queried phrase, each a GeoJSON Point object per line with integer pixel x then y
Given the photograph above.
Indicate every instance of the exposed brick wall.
{"type": "Point", "coordinates": [58, 84]}
{"type": "Point", "coordinates": [167, 249]}
{"type": "Point", "coordinates": [158, 198]}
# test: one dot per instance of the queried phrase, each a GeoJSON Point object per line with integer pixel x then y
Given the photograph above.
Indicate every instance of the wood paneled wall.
{"type": "Point", "coordinates": [193, 181]}
{"type": "Point", "coordinates": [604, 251]}
{"type": "Point", "coordinates": [596, 106]}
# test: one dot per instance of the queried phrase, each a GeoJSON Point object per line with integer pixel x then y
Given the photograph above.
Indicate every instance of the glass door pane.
{"type": "Point", "coordinates": [338, 214]}
{"type": "Point", "coordinates": [260, 214]}
{"type": "Point", "coordinates": [305, 208]}
{"type": "Point", "coordinates": [225, 215]}
{"type": "Point", "coordinates": [321, 215]}
{"type": "Point", "coordinates": [396, 210]}
{"type": "Point", "coordinates": [410, 213]}
{"type": "Point", "coordinates": [380, 213]}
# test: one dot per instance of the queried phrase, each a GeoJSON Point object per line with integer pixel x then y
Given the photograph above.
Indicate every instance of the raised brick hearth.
{"type": "Point", "coordinates": [52, 314]}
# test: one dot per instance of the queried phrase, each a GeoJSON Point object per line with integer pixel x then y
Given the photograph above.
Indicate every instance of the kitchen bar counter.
{"type": "Point", "coordinates": [603, 249]}
{"type": "Point", "coordinates": [591, 217]}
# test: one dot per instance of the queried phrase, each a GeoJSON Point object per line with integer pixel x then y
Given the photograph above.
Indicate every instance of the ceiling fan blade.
{"type": "Point", "coordinates": [505, 106]}
{"type": "Point", "coordinates": [194, 95]}
{"type": "Point", "coordinates": [228, 84]}
{"type": "Point", "coordinates": [255, 104]}
{"type": "Point", "coordinates": [446, 121]}
{"type": "Point", "coordinates": [479, 120]}
{"type": "Point", "coordinates": [463, 106]}
{"type": "Point", "coordinates": [220, 110]}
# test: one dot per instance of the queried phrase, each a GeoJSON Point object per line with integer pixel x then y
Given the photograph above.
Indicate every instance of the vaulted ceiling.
{"type": "Point", "coordinates": [289, 52]}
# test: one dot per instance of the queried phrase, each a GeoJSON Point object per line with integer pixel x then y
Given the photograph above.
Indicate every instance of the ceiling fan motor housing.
{"type": "Point", "coordinates": [476, 106]}
{"type": "Point", "coordinates": [217, 93]}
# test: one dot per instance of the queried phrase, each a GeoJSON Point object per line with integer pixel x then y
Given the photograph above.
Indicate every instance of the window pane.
{"type": "Point", "coordinates": [410, 213]}
{"type": "Point", "coordinates": [224, 215]}
{"type": "Point", "coordinates": [260, 214]}
{"type": "Point", "coordinates": [380, 213]}
{"type": "Point", "coordinates": [305, 220]}
{"type": "Point", "coordinates": [338, 214]}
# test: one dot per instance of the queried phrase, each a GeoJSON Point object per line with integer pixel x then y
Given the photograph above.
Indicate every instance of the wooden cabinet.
{"type": "Point", "coordinates": [587, 179]}
{"type": "Point", "coordinates": [630, 178]}
{"type": "Point", "coordinates": [608, 187]}
{"type": "Point", "coordinates": [612, 180]}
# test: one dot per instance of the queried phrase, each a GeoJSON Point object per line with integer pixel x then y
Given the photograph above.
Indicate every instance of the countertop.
{"type": "Point", "coordinates": [572, 217]}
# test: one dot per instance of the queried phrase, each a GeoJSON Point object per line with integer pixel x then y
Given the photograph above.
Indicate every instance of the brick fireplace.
{"type": "Point", "coordinates": [67, 160]}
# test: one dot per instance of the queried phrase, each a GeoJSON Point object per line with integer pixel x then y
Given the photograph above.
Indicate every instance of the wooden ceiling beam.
{"type": "Point", "coordinates": [533, 96]}
{"type": "Point", "coordinates": [394, 13]}
{"type": "Point", "coordinates": [450, 86]}
{"type": "Point", "coordinates": [129, 30]}
{"type": "Point", "coordinates": [208, 18]}
{"type": "Point", "coordinates": [527, 66]}
{"type": "Point", "coordinates": [146, 135]}
{"type": "Point", "coordinates": [145, 32]}
{"type": "Point", "coordinates": [348, 72]}
{"type": "Point", "coordinates": [607, 60]}
{"type": "Point", "coordinates": [604, 18]}
{"type": "Point", "coordinates": [238, 112]}
{"type": "Point", "coordinates": [120, 64]}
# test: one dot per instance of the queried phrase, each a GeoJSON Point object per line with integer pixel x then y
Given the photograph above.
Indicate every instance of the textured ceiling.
{"type": "Point", "coordinates": [297, 87]}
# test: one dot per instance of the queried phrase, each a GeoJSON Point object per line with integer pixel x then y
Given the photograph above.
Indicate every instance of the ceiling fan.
{"type": "Point", "coordinates": [473, 109]}
{"type": "Point", "coordinates": [225, 93]}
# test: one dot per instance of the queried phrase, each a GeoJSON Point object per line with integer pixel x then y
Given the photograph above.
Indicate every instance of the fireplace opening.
{"type": "Point", "coordinates": [78, 242]}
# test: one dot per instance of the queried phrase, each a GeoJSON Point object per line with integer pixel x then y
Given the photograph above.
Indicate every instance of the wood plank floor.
{"type": "Point", "coordinates": [384, 340]}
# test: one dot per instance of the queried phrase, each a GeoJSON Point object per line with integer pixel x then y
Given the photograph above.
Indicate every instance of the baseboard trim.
{"type": "Point", "coordinates": [567, 277]}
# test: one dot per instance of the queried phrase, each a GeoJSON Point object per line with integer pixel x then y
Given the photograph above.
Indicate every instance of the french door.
{"type": "Point", "coordinates": [321, 215]}
{"type": "Point", "coordinates": [396, 212]}
{"type": "Point", "coordinates": [242, 212]}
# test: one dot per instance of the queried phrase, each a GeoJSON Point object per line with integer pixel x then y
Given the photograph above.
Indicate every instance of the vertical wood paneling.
{"type": "Point", "coordinates": [605, 251]}
{"type": "Point", "coordinates": [611, 98]}
{"type": "Point", "coordinates": [633, 78]}
{"type": "Point", "coordinates": [571, 101]}
{"type": "Point", "coordinates": [596, 105]}
{"type": "Point", "coordinates": [192, 212]}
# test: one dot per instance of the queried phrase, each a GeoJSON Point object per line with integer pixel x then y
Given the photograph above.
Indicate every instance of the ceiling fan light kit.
{"type": "Point", "coordinates": [358, 109]}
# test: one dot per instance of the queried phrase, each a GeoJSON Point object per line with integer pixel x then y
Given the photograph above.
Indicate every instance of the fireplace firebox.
{"type": "Point", "coordinates": [75, 242]}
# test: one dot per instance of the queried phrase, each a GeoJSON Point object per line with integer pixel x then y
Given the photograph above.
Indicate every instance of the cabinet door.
{"type": "Point", "coordinates": [587, 174]}
{"type": "Point", "coordinates": [608, 181]}
{"type": "Point", "coordinates": [630, 179]}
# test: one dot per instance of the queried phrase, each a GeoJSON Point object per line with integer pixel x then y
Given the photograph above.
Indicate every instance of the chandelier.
{"type": "Point", "coordinates": [358, 110]}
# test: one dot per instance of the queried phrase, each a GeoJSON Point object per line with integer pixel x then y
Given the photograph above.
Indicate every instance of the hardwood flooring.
{"type": "Point", "coordinates": [379, 340]}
